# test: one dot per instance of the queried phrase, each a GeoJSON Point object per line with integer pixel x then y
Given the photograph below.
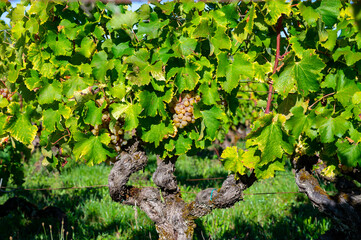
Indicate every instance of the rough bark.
{"type": "Point", "coordinates": [344, 207]}
{"type": "Point", "coordinates": [173, 218]}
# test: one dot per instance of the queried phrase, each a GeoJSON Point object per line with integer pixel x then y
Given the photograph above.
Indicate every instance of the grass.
{"type": "Point", "coordinates": [93, 215]}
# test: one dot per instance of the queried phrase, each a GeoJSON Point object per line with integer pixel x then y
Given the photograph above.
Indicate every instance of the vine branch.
{"type": "Point", "coordinates": [270, 86]}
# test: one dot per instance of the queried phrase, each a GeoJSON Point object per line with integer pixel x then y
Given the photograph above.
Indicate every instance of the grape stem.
{"type": "Point", "coordinates": [327, 95]}
{"type": "Point", "coordinates": [66, 135]}
{"type": "Point", "coordinates": [270, 86]}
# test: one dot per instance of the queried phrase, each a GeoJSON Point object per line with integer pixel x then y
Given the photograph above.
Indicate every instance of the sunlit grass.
{"type": "Point", "coordinates": [93, 215]}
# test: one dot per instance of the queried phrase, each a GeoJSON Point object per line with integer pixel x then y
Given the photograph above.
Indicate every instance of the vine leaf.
{"type": "Point", "coordinates": [232, 158]}
{"type": "Point", "coordinates": [187, 78]}
{"type": "Point", "coordinates": [100, 65]}
{"type": "Point", "coordinates": [275, 8]}
{"type": "Point", "coordinates": [308, 72]}
{"type": "Point", "coordinates": [237, 160]}
{"type": "Point", "coordinates": [210, 94]}
{"type": "Point", "coordinates": [299, 122]}
{"type": "Point", "coordinates": [87, 46]}
{"type": "Point", "coordinates": [211, 121]}
{"type": "Point", "coordinates": [309, 14]}
{"type": "Point", "coordinates": [270, 138]}
{"type": "Point", "coordinates": [329, 11]}
{"type": "Point", "coordinates": [157, 133]}
{"type": "Point", "coordinates": [92, 149]}
{"type": "Point", "coordinates": [349, 154]}
{"type": "Point", "coordinates": [93, 114]}
{"type": "Point", "coordinates": [330, 127]}
{"type": "Point", "coordinates": [50, 92]}
{"type": "Point", "coordinates": [182, 145]}
{"type": "Point", "coordinates": [123, 20]}
{"type": "Point", "coordinates": [151, 103]}
{"type": "Point", "coordinates": [268, 170]}
{"type": "Point", "coordinates": [129, 111]}
{"type": "Point", "coordinates": [20, 126]}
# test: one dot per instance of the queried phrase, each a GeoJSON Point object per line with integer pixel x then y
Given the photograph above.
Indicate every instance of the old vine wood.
{"type": "Point", "coordinates": [97, 82]}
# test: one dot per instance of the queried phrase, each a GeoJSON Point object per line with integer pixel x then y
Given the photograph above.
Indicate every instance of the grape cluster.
{"type": "Point", "coordinates": [6, 94]}
{"type": "Point", "coordinates": [114, 128]}
{"type": "Point", "coordinates": [184, 110]}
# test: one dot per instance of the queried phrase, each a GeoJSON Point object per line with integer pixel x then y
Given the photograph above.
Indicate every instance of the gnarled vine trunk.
{"type": "Point", "coordinates": [173, 218]}
{"type": "Point", "coordinates": [344, 208]}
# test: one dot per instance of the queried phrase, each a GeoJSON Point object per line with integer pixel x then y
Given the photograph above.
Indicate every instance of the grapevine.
{"type": "Point", "coordinates": [88, 78]}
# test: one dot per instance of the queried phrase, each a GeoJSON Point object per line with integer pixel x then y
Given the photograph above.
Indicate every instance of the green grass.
{"type": "Point", "coordinates": [92, 214]}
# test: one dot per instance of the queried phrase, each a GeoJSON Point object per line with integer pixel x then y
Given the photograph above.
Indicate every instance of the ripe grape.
{"type": "Point", "coordinates": [184, 110]}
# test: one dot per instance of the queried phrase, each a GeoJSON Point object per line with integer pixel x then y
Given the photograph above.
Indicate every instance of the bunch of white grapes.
{"type": "Point", "coordinates": [115, 130]}
{"type": "Point", "coordinates": [6, 93]}
{"type": "Point", "coordinates": [184, 110]}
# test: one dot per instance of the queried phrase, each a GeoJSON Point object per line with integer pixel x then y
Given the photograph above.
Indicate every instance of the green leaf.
{"type": "Point", "coordinates": [331, 40]}
{"type": "Point", "coordinates": [220, 40]}
{"type": "Point", "coordinates": [153, 28]}
{"type": "Point", "coordinates": [151, 103]}
{"type": "Point", "coordinates": [59, 44]}
{"type": "Point", "coordinates": [157, 133]}
{"type": "Point", "coordinates": [3, 102]}
{"type": "Point", "coordinates": [33, 81]}
{"type": "Point", "coordinates": [74, 84]}
{"type": "Point", "coordinates": [211, 120]}
{"type": "Point", "coordinates": [187, 46]}
{"type": "Point", "coordinates": [270, 138]}
{"type": "Point", "coordinates": [118, 90]}
{"type": "Point", "coordinates": [343, 86]}
{"type": "Point", "coordinates": [100, 65]}
{"type": "Point", "coordinates": [122, 49]}
{"type": "Point", "coordinates": [21, 128]}
{"type": "Point", "coordinates": [123, 20]}
{"type": "Point", "coordinates": [330, 127]}
{"type": "Point", "coordinates": [50, 92]}
{"type": "Point", "coordinates": [13, 74]}
{"type": "Point", "coordinates": [268, 171]}
{"type": "Point", "coordinates": [93, 114]}
{"type": "Point", "coordinates": [232, 158]}
{"type": "Point", "coordinates": [240, 68]}
{"type": "Point", "coordinates": [210, 94]}
{"type": "Point", "coordinates": [18, 30]}
{"type": "Point", "coordinates": [308, 72]}
{"type": "Point", "coordinates": [32, 26]}
{"type": "Point", "coordinates": [285, 81]}
{"type": "Point", "coordinates": [182, 145]}
{"type": "Point", "coordinates": [350, 56]}
{"type": "Point", "coordinates": [50, 119]}
{"type": "Point", "coordinates": [87, 47]}
{"type": "Point", "coordinates": [349, 154]}
{"type": "Point", "coordinates": [309, 14]}
{"type": "Point", "coordinates": [275, 8]}
{"type": "Point", "coordinates": [187, 78]}
{"type": "Point", "coordinates": [204, 29]}
{"type": "Point", "coordinates": [329, 11]}
{"type": "Point", "coordinates": [129, 111]}
{"type": "Point", "coordinates": [92, 150]}
{"type": "Point", "coordinates": [70, 29]}
{"type": "Point", "coordinates": [237, 160]}
{"type": "Point", "coordinates": [2, 123]}
{"type": "Point", "coordinates": [299, 122]}
{"type": "Point", "coordinates": [356, 98]}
